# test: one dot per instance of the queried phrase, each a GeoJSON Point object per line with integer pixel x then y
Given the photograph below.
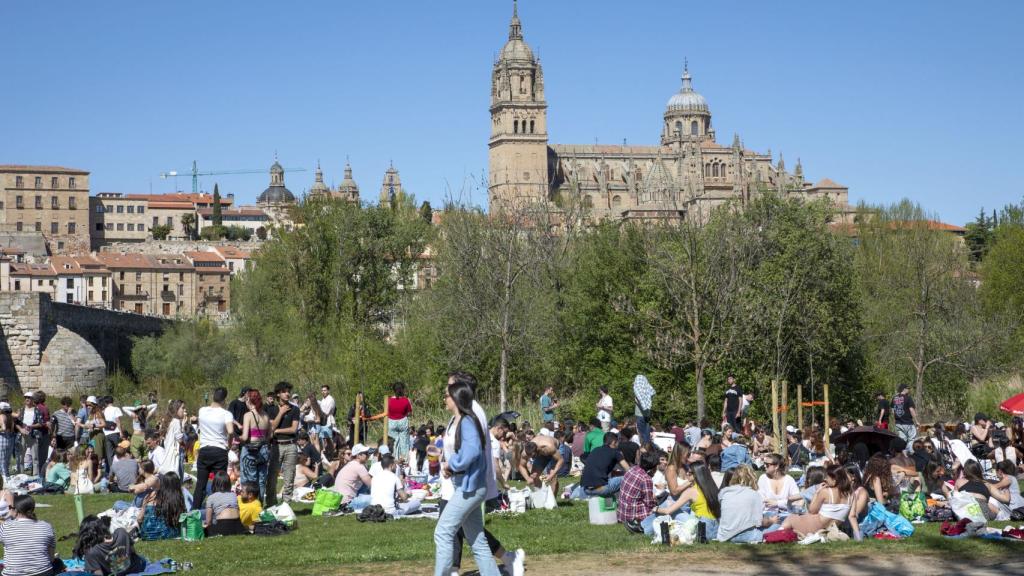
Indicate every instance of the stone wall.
{"type": "Point", "coordinates": [64, 348]}
{"type": "Point", "coordinates": [173, 246]}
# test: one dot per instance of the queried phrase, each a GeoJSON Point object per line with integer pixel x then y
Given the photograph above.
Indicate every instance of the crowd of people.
{"type": "Point", "coordinates": [732, 481]}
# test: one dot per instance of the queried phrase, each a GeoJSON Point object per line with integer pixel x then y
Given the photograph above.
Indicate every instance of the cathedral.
{"type": "Point", "coordinates": [686, 175]}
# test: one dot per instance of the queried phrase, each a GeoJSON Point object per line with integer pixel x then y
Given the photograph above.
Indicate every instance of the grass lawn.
{"type": "Point", "coordinates": [330, 545]}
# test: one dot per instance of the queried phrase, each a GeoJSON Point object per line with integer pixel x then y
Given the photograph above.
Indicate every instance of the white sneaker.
{"type": "Point", "coordinates": [519, 564]}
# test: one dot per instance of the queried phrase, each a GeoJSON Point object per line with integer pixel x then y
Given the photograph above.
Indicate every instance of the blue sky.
{"type": "Point", "coordinates": [917, 99]}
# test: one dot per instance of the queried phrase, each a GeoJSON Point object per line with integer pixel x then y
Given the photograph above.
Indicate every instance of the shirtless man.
{"type": "Point", "coordinates": [544, 451]}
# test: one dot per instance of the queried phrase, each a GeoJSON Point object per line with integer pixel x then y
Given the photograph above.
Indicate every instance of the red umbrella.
{"type": "Point", "coordinates": [1014, 405]}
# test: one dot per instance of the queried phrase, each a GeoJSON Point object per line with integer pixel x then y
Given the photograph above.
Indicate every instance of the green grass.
{"type": "Point", "coordinates": [329, 545]}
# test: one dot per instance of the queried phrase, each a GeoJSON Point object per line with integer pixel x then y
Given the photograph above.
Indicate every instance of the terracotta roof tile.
{"type": "Point", "coordinates": [826, 183]}
{"type": "Point", "coordinates": [204, 257]}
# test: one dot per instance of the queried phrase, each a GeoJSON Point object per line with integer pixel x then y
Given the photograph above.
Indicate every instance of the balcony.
{"type": "Point", "coordinates": [141, 295]}
{"type": "Point", "coordinates": [214, 296]}
{"type": "Point", "coordinates": [168, 296]}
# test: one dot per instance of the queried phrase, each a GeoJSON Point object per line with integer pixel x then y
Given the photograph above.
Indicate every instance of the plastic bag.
{"type": "Point", "coordinates": [517, 499]}
{"type": "Point", "coordinates": [544, 498]}
{"type": "Point", "coordinates": [912, 505]}
{"type": "Point", "coordinates": [967, 506]}
{"type": "Point", "coordinates": [283, 513]}
{"type": "Point", "coordinates": [326, 501]}
{"type": "Point", "coordinates": [191, 526]}
{"type": "Point", "coordinates": [878, 518]}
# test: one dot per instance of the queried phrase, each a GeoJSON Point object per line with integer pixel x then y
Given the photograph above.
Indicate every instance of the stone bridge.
{"type": "Point", "coordinates": [64, 348]}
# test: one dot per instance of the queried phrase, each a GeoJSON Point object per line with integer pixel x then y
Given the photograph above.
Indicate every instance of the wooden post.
{"type": "Point", "coordinates": [358, 419]}
{"type": "Point", "coordinates": [800, 406]}
{"type": "Point", "coordinates": [775, 415]}
{"type": "Point", "coordinates": [384, 439]}
{"type": "Point", "coordinates": [828, 448]}
{"type": "Point", "coordinates": [783, 419]}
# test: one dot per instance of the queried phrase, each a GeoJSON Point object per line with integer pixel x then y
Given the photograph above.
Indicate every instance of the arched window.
{"type": "Point", "coordinates": [714, 170]}
{"type": "Point", "coordinates": [694, 129]}
{"type": "Point", "coordinates": [707, 170]}
{"type": "Point", "coordinates": [679, 128]}
{"type": "Point", "coordinates": [531, 126]}
{"type": "Point", "coordinates": [522, 86]}
{"type": "Point", "coordinates": [588, 202]}
{"type": "Point", "coordinates": [616, 201]}
{"type": "Point", "coordinates": [515, 127]}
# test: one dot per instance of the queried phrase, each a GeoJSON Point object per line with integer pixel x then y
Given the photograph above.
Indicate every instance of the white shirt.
{"type": "Point", "coordinates": [156, 456]}
{"type": "Point", "coordinates": [112, 414]}
{"type": "Point", "coordinates": [214, 424]}
{"type": "Point", "coordinates": [777, 499]}
{"type": "Point", "coordinates": [28, 416]}
{"type": "Point", "coordinates": [375, 469]}
{"type": "Point", "coordinates": [327, 406]}
{"type": "Point", "coordinates": [382, 490]}
{"type": "Point", "coordinates": [605, 406]}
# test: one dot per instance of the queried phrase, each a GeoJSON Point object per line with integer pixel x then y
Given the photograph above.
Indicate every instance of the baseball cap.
{"type": "Point", "coordinates": [361, 449]}
{"type": "Point", "coordinates": [791, 429]}
{"type": "Point", "coordinates": [27, 394]}
{"type": "Point", "coordinates": [382, 450]}
{"type": "Point", "coordinates": [90, 400]}
{"type": "Point", "coordinates": [5, 406]}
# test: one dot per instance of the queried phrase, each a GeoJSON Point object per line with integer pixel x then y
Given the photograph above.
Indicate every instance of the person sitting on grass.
{"type": "Point", "coordinates": [593, 439]}
{"type": "Point", "coordinates": [58, 476]}
{"type": "Point", "coordinates": [777, 488]}
{"type": "Point", "coordinates": [702, 497]}
{"type": "Point", "coordinates": [388, 492]}
{"type": "Point", "coordinates": [158, 517]}
{"type": "Point", "coordinates": [221, 513]}
{"type": "Point", "coordinates": [735, 453]}
{"type": "Point", "coordinates": [106, 553]}
{"type": "Point", "coordinates": [860, 501]}
{"type": "Point", "coordinates": [742, 516]}
{"type": "Point", "coordinates": [542, 452]}
{"type": "Point", "coordinates": [636, 496]}
{"type": "Point", "coordinates": [831, 504]}
{"type": "Point", "coordinates": [878, 480]}
{"type": "Point", "coordinates": [29, 543]}
{"type": "Point", "coordinates": [145, 484]}
{"type": "Point", "coordinates": [813, 479]}
{"type": "Point", "coordinates": [1006, 495]}
{"type": "Point", "coordinates": [597, 479]}
{"type": "Point", "coordinates": [249, 507]}
{"type": "Point", "coordinates": [353, 478]}
{"type": "Point", "coordinates": [124, 471]}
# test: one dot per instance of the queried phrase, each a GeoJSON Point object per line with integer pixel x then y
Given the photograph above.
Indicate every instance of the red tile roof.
{"type": "Point", "coordinates": [204, 257]}
{"type": "Point", "coordinates": [232, 252]}
{"type": "Point", "coordinates": [826, 183]}
{"type": "Point", "coordinates": [22, 269]}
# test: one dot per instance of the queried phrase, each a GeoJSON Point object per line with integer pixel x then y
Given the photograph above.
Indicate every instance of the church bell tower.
{"type": "Point", "coordinates": [518, 164]}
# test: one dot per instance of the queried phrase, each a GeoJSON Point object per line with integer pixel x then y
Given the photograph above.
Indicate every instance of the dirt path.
{"type": "Point", "coordinates": [742, 563]}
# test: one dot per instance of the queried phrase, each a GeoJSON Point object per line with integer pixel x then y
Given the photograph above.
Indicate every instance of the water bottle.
{"type": "Point", "coordinates": [665, 539]}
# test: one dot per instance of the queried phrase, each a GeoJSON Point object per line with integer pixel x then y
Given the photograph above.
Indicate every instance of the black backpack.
{"type": "Point", "coordinates": [373, 513]}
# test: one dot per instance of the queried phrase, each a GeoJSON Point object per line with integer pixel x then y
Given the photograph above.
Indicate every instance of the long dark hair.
{"type": "Point", "coordinates": [172, 413]}
{"type": "Point", "coordinates": [706, 485]}
{"type": "Point", "coordinates": [94, 530]}
{"type": "Point", "coordinates": [842, 480]}
{"type": "Point", "coordinates": [25, 506]}
{"type": "Point", "coordinates": [315, 407]}
{"type": "Point", "coordinates": [462, 394]}
{"type": "Point", "coordinates": [170, 502]}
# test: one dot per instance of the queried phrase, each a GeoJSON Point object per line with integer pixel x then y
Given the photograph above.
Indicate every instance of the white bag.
{"type": "Point", "coordinates": [967, 506]}
{"type": "Point", "coordinates": [283, 512]}
{"type": "Point", "coordinates": [517, 499]}
{"type": "Point", "coordinates": [544, 498]}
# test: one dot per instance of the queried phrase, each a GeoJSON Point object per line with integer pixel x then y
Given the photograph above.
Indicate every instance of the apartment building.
{"type": "Point", "coordinates": [168, 210]}
{"type": "Point", "coordinates": [213, 283]}
{"type": "Point", "coordinates": [113, 217]}
{"type": "Point", "coordinates": [237, 260]}
{"type": "Point", "coordinates": [50, 200]}
{"type": "Point", "coordinates": [248, 217]}
{"type": "Point", "coordinates": [162, 285]}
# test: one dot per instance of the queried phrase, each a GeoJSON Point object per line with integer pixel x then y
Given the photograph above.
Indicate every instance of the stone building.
{"type": "Point", "coordinates": [49, 200]}
{"type": "Point", "coordinates": [686, 174]}
{"type": "Point", "coordinates": [81, 280]}
{"type": "Point", "coordinates": [277, 200]}
{"type": "Point", "coordinates": [114, 217]}
{"type": "Point", "coordinates": [169, 209]}
{"type": "Point", "coordinates": [213, 290]}
{"type": "Point", "coordinates": [391, 190]}
{"type": "Point", "coordinates": [248, 217]}
{"type": "Point", "coordinates": [347, 190]}
{"type": "Point", "coordinates": [158, 285]}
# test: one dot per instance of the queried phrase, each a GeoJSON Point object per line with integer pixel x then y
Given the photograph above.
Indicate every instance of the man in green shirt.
{"type": "Point", "coordinates": [58, 476]}
{"type": "Point", "coordinates": [594, 438]}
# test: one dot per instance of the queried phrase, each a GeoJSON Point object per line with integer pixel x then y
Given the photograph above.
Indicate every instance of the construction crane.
{"type": "Point", "coordinates": [196, 174]}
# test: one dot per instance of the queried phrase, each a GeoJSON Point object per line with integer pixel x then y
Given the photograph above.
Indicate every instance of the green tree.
{"type": "Point", "coordinates": [218, 217]}
{"type": "Point", "coordinates": [426, 212]}
{"type": "Point", "coordinates": [160, 231]}
{"type": "Point", "coordinates": [188, 221]}
{"type": "Point", "coordinates": [1002, 287]}
{"type": "Point", "coordinates": [979, 236]}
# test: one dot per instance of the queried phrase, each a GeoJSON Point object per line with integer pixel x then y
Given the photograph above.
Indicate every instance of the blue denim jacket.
{"type": "Point", "coordinates": [469, 464]}
{"type": "Point", "coordinates": [733, 456]}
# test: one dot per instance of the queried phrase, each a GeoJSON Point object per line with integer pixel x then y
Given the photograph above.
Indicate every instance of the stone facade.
{"type": "Point", "coordinates": [685, 175]}
{"type": "Point", "coordinates": [113, 217]}
{"type": "Point", "coordinates": [63, 348]}
{"type": "Point", "coordinates": [50, 200]}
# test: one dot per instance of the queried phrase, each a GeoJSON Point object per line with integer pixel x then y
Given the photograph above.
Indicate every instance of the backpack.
{"type": "Point", "coordinates": [373, 513]}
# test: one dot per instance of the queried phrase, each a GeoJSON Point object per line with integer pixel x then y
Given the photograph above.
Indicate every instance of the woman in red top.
{"type": "Point", "coordinates": [398, 411]}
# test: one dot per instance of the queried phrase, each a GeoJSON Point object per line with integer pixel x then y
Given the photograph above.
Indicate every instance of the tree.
{"type": "Point", "coordinates": [188, 221]}
{"type": "Point", "coordinates": [160, 231]}
{"type": "Point", "coordinates": [979, 236]}
{"type": "Point", "coordinates": [261, 233]}
{"type": "Point", "coordinates": [213, 232]}
{"type": "Point", "coordinates": [920, 303]}
{"type": "Point", "coordinates": [700, 271]}
{"type": "Point", "coordinates": [218, 218]}
{"type": "Point", "coordinates": [426, 212]}
{"type": "Point", "coordinates": [1002, 288]}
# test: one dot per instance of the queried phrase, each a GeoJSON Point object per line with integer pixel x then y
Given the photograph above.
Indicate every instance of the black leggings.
{"type": "Point", "coordinates": [232, 527]}
{"type": "Point", "coordinates": [460, 537]}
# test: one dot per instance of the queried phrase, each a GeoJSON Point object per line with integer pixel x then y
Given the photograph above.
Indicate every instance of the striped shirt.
{"type": "Point", "coordinates": [64, 424]}
{"type": "Point", "coordinates": [28, 547]}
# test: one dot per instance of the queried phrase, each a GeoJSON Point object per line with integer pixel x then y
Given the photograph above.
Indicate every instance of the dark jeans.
{"type": "Point", "coordinates": [643, 428]}
{"type": "Point", "coordinates": [42, 452]}
{"type": "Point", "coordinates": [460, 537]}
{"type": "Point", "coordinates": [65, 442]}
{"type": "Point", "coordinates": [210, 460]}
{"type": "Point", "coordinates": [730, 418]}
{"type": "Point", "coordinates": [110, 443]}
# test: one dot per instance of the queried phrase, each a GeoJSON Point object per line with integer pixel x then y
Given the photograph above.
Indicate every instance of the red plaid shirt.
{"type": "Point", "coordinates": [636, 496]}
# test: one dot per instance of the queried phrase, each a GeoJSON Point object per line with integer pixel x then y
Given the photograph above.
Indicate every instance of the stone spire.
{"type": "Point", "coordinates": [515, 28]}
{"type": "Point", "coordinates": [736, 144]}
{"type": "Point", "coordinates": [319, 188]}
{"type": "Point", "coordinates": [799, 170]}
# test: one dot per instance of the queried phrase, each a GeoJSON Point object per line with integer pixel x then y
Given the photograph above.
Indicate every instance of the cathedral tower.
{"type": "Point", "coordinates": [687, 116]}
{"type": "Point", "coordinates": [518, 166]}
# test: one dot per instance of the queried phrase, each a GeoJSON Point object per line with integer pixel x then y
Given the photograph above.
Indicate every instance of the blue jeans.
{"type": "Point", "coordinates": [754, 536]}
{"type": "Point", "coordinates": [643, 428]}
{"type": "Point", "coordinates": [648, 524]}
{"type": "Point", "coordinates": [609, 489]}
{"type": "Point", "coordinates": [254, 464]}
{"type": "Point", "coordinates": [359, 502]}
{"type": "Point", "coordinates": [463, 511]}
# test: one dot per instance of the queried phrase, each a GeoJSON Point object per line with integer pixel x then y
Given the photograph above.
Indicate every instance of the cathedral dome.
{"type": "Point", "coordinates": [516, 50]}
{"type": "Point", "coordinates": [348, 186]}
{"type": "Point", "coordinates": [318, 186]}
{"type": "Point", "coordinates": [687, 100]}
{"type": "Point", "coordinates": [276, 195]}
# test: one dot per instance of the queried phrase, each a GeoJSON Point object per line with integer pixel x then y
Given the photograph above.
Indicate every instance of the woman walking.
{"type": "Point", "coordinates": [173, 428]}
{"type": "Point", "coordinates": [8, 436]}
{"type": "Point", "coordinates": [255, 460]}
{"type": "Point", "coordinates": [468, 468]}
